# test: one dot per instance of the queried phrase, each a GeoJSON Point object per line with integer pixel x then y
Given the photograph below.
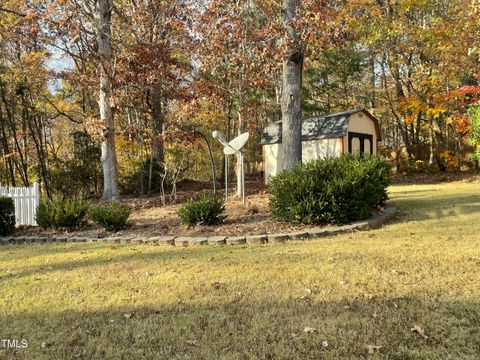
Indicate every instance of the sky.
{"type": "Point", "coordinates": [57, 63]}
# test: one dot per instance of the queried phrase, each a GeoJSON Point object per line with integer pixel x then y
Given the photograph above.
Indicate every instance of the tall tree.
{"type": "Point", "coordinates": [309, 27]}
{"type": "Point", "coordinates": [103, 20]}
{"type": "Point", "coordinates": [292, 89]}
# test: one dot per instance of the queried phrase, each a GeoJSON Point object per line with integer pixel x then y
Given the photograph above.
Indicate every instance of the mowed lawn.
{"type": "Point", "coordinates": [88, 301]}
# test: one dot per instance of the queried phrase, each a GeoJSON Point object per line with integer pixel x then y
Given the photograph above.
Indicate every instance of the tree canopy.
{"type": "Point", "coordinates": [136, 77]}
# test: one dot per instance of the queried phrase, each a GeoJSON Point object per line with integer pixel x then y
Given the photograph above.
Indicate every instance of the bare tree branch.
{"type": "Point", "coordinates": [12, 12]}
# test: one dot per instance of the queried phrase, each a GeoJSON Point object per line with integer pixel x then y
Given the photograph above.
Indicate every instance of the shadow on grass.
{"type": "Point", "coordinates": [436, 207]}
{"type": "Point", "coordinates": [242, 328]}
{"type": "Point", "coordinates": [102, 255]}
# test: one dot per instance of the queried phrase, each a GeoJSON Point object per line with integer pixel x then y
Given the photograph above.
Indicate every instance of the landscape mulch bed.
{"type": "Point", "coordinates": [149, 218]}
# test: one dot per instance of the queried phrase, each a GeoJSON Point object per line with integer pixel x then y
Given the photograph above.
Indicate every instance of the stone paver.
{"type": "Point", "coordinates": [198, 241]}
{"type": "Point", "coordinates": [216, 240]}
{"type": "Point", "coordinates": [277, 238]}
{"type": "Point", "coordinates": [166, 240]}
{"type": "Point", "coordinates": [299, 235]}
{"type": "Point", "coordinates": [182, 241]}
{"type": "Point", "coordinates": [317, 233]}
{"type": "Point", "coordinates": [152, 240]}
{"type": "Point", "coordinates": [361, 225]}
{"type": "Point", "coordinates": [256, 239]}
{"type": "Point", "coordinates": [7, 240]}
{"type": "Point", "coordinates": [235, 240]}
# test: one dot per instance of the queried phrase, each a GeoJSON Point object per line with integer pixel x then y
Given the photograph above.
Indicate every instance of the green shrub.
{"type": "Point", "coordinates": [207, 210]}
{"type": "Point", "coordinates": [334, 190]}
{"type": "Point", "coordinates": [112, 217]}
{"type": "Point", "coordinates": [61, 212]}
{"type": "Point", "coordinates": [7, 215]}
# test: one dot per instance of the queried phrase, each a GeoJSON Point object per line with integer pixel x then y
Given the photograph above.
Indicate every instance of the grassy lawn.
{"type": "Point", "coordinates": [88, 301]}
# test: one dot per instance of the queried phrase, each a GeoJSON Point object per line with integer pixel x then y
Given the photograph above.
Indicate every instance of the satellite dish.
{"type": "Point", "coordinates": [236, 144]}
{"type": "Point", "coordinates": [233, 147]}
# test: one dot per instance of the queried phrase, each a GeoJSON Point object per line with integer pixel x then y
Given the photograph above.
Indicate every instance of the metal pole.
{"type": "Point", "coordinates": [243, 179]}
{"type": "Point", "coordinates": [211, 159]}
{"type": "Point", "coordinates": [226, 178]}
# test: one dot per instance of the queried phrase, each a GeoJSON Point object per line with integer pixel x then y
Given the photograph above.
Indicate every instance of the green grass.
{"type": "Point", "coordinates": [254, 302]}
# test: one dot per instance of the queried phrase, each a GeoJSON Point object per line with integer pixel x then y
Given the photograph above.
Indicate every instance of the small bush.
{"type": "Point", "coordinates": [112, 217]}
{"type": "Point", "coordinates": [7, 215]}
{"type": "Point", "coordinates": [334, 190]}
{"type": "Point", "coordinates": [207, 210]}
{"type": "Point", "coordinates": [60, 212]}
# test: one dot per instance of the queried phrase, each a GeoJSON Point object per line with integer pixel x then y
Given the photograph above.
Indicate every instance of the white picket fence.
{"type": "Point", "coordinates": [26, 202]}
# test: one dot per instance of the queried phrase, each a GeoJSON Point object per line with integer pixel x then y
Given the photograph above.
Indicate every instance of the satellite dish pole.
{"type": "Point", "coordinates": [234, 147]}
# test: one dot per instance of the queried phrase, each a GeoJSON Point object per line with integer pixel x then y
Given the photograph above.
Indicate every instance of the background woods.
{"type": "Point", "coordinates": [116, 87]}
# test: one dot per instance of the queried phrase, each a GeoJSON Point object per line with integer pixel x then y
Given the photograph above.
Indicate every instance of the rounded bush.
{"type": "Point", "coordinates": [7, 215]}
{"type": "Point", "coordinates": [112, 217]}
{"type": "Point", "coordinates": [207, 210]}
{"type": "Point", "coordinates": [330, 191]}
{"type": "Point", "coordinates": [60, 212]}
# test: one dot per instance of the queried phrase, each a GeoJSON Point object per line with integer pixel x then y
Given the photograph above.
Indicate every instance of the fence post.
{"type": "Point", "coordinates": [36, 201]}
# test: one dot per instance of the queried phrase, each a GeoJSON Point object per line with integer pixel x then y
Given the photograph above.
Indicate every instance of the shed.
{"type": "Point", "coordinates": [354, 131]}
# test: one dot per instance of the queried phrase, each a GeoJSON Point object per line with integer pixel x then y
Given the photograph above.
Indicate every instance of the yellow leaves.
{"type": "Point", "coordinates": [436, 112]}
{"type": "Point", "coordinates": [412, 107]}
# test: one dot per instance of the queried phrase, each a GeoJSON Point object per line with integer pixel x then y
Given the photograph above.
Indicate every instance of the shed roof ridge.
{"type": "Point", "coordinates": [347, 112]}
{"type": "Point", "coordinates": [341, 113]}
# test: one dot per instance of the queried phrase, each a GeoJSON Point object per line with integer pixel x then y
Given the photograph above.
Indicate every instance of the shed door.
{"type": "Point", "coordinates": [366, 142]}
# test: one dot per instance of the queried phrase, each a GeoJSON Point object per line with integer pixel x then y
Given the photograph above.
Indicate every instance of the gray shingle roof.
{"type": "Point", "coordinates": [313, 127]}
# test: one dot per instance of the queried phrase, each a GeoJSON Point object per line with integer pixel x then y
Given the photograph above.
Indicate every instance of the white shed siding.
{"type": "Point", "coordinates": [319, 149]}
{"type": "Point", "coordinates": [361, 123]}
{"type": "Point", "coordinates": [313, 149]}
{"type": "Point", "coordinates": [273, 160]}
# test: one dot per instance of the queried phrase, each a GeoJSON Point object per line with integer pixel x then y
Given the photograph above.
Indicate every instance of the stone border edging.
{"type": "Point", "coordinates": [374, 222]}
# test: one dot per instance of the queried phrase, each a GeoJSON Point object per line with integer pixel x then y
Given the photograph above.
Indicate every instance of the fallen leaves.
{"type": "Point", "coordinates": [128, 315]}
{"type": "Point", "coordinates": [417, 329]}
{"type": "Point", "coordinates": [372, 349]}
{"type": "Point", "coordinates": [309, 330]}
{"type": "Point", "coordinates": [217, 285]}
{"type": "Point", "coordinates": [398, 273]}
{"type": "Point", "coordinates": [305, 298]}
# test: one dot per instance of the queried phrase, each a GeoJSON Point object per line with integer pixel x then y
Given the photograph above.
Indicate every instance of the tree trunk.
{"type": "Point", "coordinates": [432, 144]}
{"type": "Point", "coordinates": [158, 154]}
{"type": "Point", "coordinates": [103, 18]}
{"type": "Point", "coordinates": [238, 167]}
{"type": "Point", "coordinates": [292, 91]}
{"type": "Point", "coordinates": [373, 81]}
